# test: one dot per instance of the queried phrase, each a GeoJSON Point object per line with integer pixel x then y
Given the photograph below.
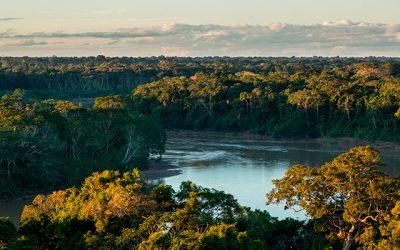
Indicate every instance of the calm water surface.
{"type": "Point", "coordinates": [246, 167]}
{"type": "Point", "coordinates": [241, 167]}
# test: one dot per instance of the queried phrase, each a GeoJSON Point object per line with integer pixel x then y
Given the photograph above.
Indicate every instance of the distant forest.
{"type": "Point", "coordinates": [281, 97]}
{"type": "Point", "coordinates": [100, 73]}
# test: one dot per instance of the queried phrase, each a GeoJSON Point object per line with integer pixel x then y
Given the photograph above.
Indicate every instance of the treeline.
{"type": "Point", "coordinates": [357, 100]}
{"type": "Point", "coordinates": [352, 204]}
{"type": "Point", "coordinates": [51, 144]}
{"type": "Point", "coordinates": [121, 211]}
{"type": "Point", "coordinates": [91, 76]}
{"type": "Point", "coordinates": [281, 97]}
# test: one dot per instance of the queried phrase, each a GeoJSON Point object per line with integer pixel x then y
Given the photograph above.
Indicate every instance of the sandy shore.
{"type": "Point", "coordinates": [159, 169]}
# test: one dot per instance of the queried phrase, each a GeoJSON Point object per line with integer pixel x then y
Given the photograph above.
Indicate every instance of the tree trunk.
{"type": "Point", "coordinates": [348, 113]}
{"type": "Point", "coordinates": [8, 171]}
{"type": "Point", "coordinates": [374, 122]}
{"type": "Point", "coordinates": [350, 238]}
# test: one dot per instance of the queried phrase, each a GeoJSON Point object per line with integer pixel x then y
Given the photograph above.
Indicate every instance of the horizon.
{"type": "Point", "coordinates": [206, 56]}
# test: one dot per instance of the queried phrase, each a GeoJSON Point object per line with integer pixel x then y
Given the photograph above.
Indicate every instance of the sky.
{"type": "Point", "coordinates": [200, 28]}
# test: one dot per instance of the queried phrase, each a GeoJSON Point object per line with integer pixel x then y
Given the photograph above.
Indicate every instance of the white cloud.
{"type": "Point", "coordinates": [215, 33]}
{"type": "Point", "coordinates": [338, 23]}
{"type": "Point", "coordinates": [342, 37]}
{"type": "Point", "coordinates": [276, 26]}
{"type": "Point", "coordinates": [392, 29]}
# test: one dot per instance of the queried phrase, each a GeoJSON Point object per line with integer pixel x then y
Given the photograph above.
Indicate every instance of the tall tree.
{"type": "Point", "coordinates": [349, 198]}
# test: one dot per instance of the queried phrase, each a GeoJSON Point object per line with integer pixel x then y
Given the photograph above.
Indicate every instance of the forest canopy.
{"type": "Point", "coordinates": [114, 210]}
{"type": "Point", "coordinates": [52, 143]}
{"type": "Point", "coordinates": [360, 100]}
{"type": "Point", "coordinates": [57, 143]}
{"type": "Point", "coordinates": [281, 97]}
{"type": "Point", "coordinates": [350, 199]}
{"type": "Point", "coordinates": [352, 204]}
{"type": "Point", "coordinates": [129, 102]}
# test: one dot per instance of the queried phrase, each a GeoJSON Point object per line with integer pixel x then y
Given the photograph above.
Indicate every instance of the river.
{"type": "Point", "coordinates": [243, 166]}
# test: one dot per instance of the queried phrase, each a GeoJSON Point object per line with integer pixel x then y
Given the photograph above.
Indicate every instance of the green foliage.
{"type": "Point", "coordinates": [391, 229]}
{"type": "Point", "coordinates": [289, 100]}
{"type": "Point", "coordinates": [113, 210]}
{"type": "Point", "coordinates": [53, 143]}
{"type": "Point", "coordinates": [8, 232]}
{"type": "Point", "coordinates": [355, 97]}
{"type": "Point", "coordinates": [110, 102]}
{"type": "Point", "coordinates": [350, 199]}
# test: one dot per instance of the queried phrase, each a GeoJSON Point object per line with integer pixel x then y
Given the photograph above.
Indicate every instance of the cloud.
{"type": "Point", "coordinates": [333, 38]}
{"type": "Point", "coordinates": [398, 37]}
{"type": "Point", "coordinates": [133, 33]}
{"type": "Point", "coordinates": [277, 27]}
{"type": "Point", "coordinates": [113, 42]}
{"type": "Point", "coordinates": [4, 19]}
{"type": "Point", "coordinates": [27, 43]}
{"type": "Point", "coordinates": [338, 23]}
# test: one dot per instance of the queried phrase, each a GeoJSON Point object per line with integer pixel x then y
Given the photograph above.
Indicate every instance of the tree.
{"type": "Point", "coordinates": [110, 102]}
{"type": "Point", "coordinates": [205, 89]}
{"type": "Point", "coordinates": [306, 99]}
{"type": "Point", "coordinates": [348, 197]}
{"type": "Point", "coordinates": [26, 162]}
{"type": "Point", "coordinates": [105, 203]}
{"type": "Point", "coordinates": [53, 142]}
{"type": "Point", "coordinates": [346, 102]}
{"type": "Point", "coordinates": [112, 210]}
{"type": "Point", "coordinates": [8, 232]}
{"type": "Point", "coordinates": [13, 111]}
{"type": "Point", "coordinates": [391, 231]}
{"type": "Point", "coordinates": [397, 114]}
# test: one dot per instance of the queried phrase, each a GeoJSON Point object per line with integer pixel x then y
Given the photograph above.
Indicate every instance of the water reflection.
{"type": "Point", "coordinates": [13, 208]}
{"type": "Point", "coordinates": [245, 168]}
{"type": "Point", "coordinates": [241, 167]}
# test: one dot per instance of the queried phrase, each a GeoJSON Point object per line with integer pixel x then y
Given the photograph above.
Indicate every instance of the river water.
{"type": "Point", "coordinates": [245, 167]}
{"type": "Point", "coordinates": [239, 165]}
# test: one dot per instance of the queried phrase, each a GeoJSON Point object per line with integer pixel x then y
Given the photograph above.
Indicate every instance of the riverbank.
{"type": "Point", "coordinates": [158, 169]}
{"type": "Point", "coordinates": [205, 150]}
{"type": "Point", "coordinates": [341, 142]}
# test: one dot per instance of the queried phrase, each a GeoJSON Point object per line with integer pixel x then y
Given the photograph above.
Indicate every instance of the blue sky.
{"type": "Point", "coordinates": [200, 28]}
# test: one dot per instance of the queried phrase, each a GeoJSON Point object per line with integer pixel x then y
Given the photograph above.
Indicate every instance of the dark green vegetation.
{"type": "Point", "coordinates": [94, 76]}
{"type": "Point", "coordinates": [8, 232]}
{"type": "Point", "coordinates": [282, 97]}
{"type": "Point", "coordinates": [51, 144]}
{"type": "Point", "coordinates": [121, 211]}
{"type": "Point", "coordinates": [285, 100]}
{"type": "Point", "coordinates": [352, 204]}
